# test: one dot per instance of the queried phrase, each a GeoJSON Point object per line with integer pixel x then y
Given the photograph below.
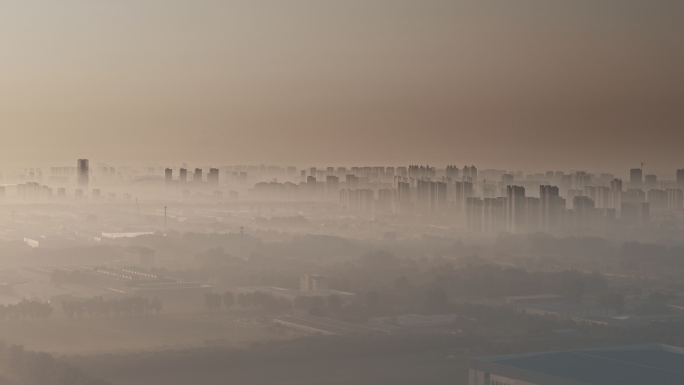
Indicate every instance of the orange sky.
{"type": "Point", "coordinates": [508, 84]}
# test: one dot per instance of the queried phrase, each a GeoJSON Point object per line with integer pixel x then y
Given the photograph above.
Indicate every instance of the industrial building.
{"type": "Point", "coordinates": [313, 283]}
{"type": "Point", "coordinates": [624, 365]}
{"type": "Point", "coordinates": [140, 256]}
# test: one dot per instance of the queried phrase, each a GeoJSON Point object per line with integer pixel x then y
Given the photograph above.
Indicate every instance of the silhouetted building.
{"type": "Point", "coordinates": [332, 186]}
{"type": "Point", "coordinates": [197, 176]}
{"type": "Point", "coordinates": [584, 213]}
{"type": "Point", "coordinates": [616, 194]}
{"type": "Point", "coordinates": [634, 196]}
{"type": "Point", "coordinates": [452, 172]}
{"type": "Point", "coordinates": [83, 174]}
{"type": "Point", "coordinates": [140, 256]}
{"type": "Point", "coordinates": [494, 215]}
{"type": "Point", "coordinates": [675, 199]}
{"type": "Point", "coordinates": [650, 182]}
{"type": "Point", "coordinates": [464, 190]}
{"type": "Point", "coordinates": [383, 205]}
{"type": "Point", "coordinates": [168, 177]}
{"type": "Point", "coordinates": [213, 177]}
{"type": "Point", "coordinates": [551, 206]}
{"type": "Point", "coordinates": [312, 282]}
{"type": "Point", "coordinates": [182, 175]}
{"type": "Point", "coordinates": [470, 174]}
{"type": "Point", "coordinates": [636, 213]}
{"type": "Point", "coordinates": [474, 215]}
{"type": "Point", "coordinates": [635, 178]}
{"type": "Point", "coordinates": [515, 209]}
{"type": "Point", "coordinates": [657, 199]}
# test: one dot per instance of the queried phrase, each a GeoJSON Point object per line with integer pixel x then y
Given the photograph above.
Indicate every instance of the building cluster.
{"type": "Point", "coordinates": [483, 201]}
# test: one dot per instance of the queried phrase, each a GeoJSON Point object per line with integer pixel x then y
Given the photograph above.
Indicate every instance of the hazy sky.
{"type": "Point", "coordinates": [536, 84]}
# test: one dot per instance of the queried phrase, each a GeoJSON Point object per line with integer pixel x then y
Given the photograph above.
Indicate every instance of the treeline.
{"type": "Point", "coordinates": [633, 254]}
{"type": "Point", "coordinates": [128, 307]}
{"type": "Point", "coordinates": [268, 302]}
{"type": "Point", "coordinates": [539, 337]}
{"type": "Point", "coordinates": [315, 305]}
{"type": "Point", "coordinates": [37, 368]}
{"type": "Point", "coordinates": [59, 277]}
{"type": "Point", "coordinates": [274, 352]}
{"type": "Point", "coordinates": [25, 309]}
{"type": "Point", "coordinates": [493, 282]}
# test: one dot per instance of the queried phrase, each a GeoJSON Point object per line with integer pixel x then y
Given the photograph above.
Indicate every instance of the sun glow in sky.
{"type": "Point", "coordinates": [325, 82]}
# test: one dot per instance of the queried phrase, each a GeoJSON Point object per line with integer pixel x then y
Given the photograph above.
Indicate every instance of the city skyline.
{"type": "Point", "coordinates": [326, 192]}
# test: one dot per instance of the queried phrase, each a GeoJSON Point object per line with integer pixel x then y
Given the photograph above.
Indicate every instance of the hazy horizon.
{"type": "Point", "coordinates": [524, 85]}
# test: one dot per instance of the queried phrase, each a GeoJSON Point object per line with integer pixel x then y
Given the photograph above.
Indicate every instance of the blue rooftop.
{"type": "Point", "coordinates": [630, 365]}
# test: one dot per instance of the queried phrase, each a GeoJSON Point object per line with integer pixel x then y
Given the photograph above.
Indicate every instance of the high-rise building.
{"type": "Point", "coordinates": [464, 190]}
{"type": "Point", "coordinates": [635, 178]}
{"type": "Point", "coordinates": [650, 182]}
{"type": "Point", "coordinates": [616, 194]}
{"type": "Point", "coordinates": [332, 186]}
{"type": "Point", "coordinates": [197, 176]}
{"type": "Point", "coordinates": [383, 205]}
{"type": "Point", "coordinates": [423, 191]}
{"type": "Point", "coordinates": [360, 200]}
{"type": "Point", "coordinates": [474, 215]}
{"type": "Point", "coordinates": [584, 213]}
{"type": "Point", "coordinates": [675, 199]}
{"type": "Point", "coordinates": [494, 215]}
{"type": "Point", "coordinates": [83, 172]}
{"type": "Point", "coordinates": [404, 203]}
{"type": "Point", "coordinates": [636, 213]}
{"type": "Point", "coordinates": [634, 196]}
{"type": "Point", "coordinates": [551, 207]}
{"type": "Point", "coordinates": [532, 214]}
{"type": "Point", "coordinates": [452, 172]}
{"type": "Point", "coordinates": [515, 209]}
{"type": "Point", "coordinates": [680, 178]}
{"type": "Point", "coordinates": [168, 177]}
{"type": "Point", "coordinates": [213, 177]}
{"type": "Point", "coordinates": [470, 174]}
{"type": "Point", "coordinates": [657, 199]}
{"type": "Point", "coordinates": [183, 175]}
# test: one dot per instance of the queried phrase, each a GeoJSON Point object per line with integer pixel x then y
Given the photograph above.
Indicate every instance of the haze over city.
{"type": "Point", "coordinates": [341, 192]}
{"type": "Point", "coordinates": [582, 85]}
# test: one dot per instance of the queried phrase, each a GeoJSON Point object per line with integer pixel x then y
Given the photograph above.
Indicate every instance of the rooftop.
{"type": "Point", "coordinates": [627, 365]}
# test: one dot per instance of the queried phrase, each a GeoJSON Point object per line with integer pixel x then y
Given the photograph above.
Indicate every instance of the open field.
{"type": "Point", "coordinates": [424, 369]}
{"type": "Point", "coordinates": [100, 335]}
